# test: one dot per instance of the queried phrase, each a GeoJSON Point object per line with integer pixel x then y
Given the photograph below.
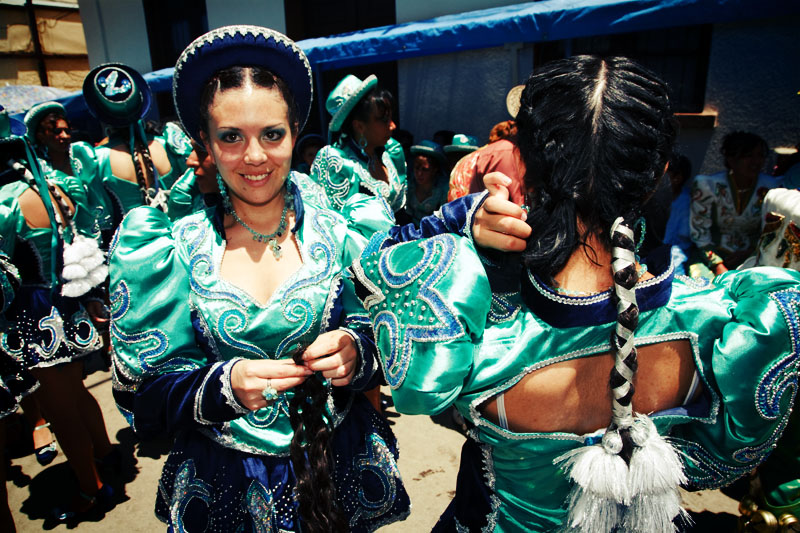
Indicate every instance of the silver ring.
{"type": "Point", "coordinates": [269, 393]}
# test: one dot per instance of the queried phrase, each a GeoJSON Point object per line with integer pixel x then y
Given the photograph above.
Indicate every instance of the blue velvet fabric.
{"type": "Point", "coordinates": [599, 309]}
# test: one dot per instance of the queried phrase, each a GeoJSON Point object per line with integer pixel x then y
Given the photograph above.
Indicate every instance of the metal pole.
{"type": "Point", "coordinates": [37, 45]}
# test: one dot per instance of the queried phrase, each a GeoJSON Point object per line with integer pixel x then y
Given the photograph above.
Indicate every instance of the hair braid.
{"type": "Point", "coordinates": [623, 266]}
{"type": "Point", "coordinates": [311, 456]}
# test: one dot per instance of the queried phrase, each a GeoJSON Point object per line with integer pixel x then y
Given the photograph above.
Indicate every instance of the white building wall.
{"type": "Point", "coordinates": [116, 31]}
{"type": "Point", "coordinates": [269, 13]}
{"type": "Point", "coordinates": [753, 81]}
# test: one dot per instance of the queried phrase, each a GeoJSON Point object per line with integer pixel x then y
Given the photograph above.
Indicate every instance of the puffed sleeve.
{"type": "Point", "coordinates": [163, 380]}
{"type": "Point", "coordinates": [336, 174]}
{"type": "Point", "coordinates": [183, 196]}
{"type": "Point", "coordinates": [86, 167]}
{"type": "Point", "coordinates": [398, 157]}
{"type": "Point", "coordinates": [753, 370]}
{"type": "Point", "coordinates": [178, 147]}
{"type": "Point", "coordinates": [76, 190]}
{"type": "Point", "coordinates": [428, 302]}
{"type": "Point", "coordinates": [365, 215]}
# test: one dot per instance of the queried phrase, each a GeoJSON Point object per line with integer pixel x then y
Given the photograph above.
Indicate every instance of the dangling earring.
{"type": "Point", "coordinates": [223, 191]}
{"type": "Point", "coordinates": [362, 142]}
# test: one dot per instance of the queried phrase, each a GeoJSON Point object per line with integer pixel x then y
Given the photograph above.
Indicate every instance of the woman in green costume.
{"type": "Point", "coordinates": [207, 311]}
{"type": "Point", "coordinates": [363, 156]}
{"type": "Point", "coordinates": [137, 166]}
{"type": "Point", "coordinates": [46, 230]}
{"type": "Point", "coordinates": [542, 356]}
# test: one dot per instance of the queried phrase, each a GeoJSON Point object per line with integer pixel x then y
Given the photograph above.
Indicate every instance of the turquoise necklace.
{"type": "Point", "coordinates": [270, 238]}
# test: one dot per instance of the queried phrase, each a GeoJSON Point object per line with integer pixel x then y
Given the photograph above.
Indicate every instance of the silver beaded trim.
{"type": "Point", "coordinates": [227, 388]}
{"type": "Point", "coordinates": [479, 420]}
{"type": "Point", "coordinates": [243, 30]}
{"type": "Point", "coordinates": [588, 300]}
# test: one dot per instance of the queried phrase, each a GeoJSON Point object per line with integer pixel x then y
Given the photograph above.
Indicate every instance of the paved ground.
{"type": "Point", "coordinates": [429, 455]}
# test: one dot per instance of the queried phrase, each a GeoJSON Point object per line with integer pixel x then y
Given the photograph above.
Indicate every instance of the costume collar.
{"type": "Point", "coordinates": [564, 311]}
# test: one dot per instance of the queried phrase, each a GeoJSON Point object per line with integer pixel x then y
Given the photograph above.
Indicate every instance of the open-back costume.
{"type": "Point", "coordinates": [446, 337]}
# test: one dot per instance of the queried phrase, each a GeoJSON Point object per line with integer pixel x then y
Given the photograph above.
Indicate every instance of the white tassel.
{"type": "Point", "coordinates": [600, 478]}
{"type": "Point", "coordinates": [76, 288]}
{"type": "Point", "coordinates": [589, 514]}
{"type": "Point", "coordinates": [98, 275]}
{"type": "Point", "coordinates": [91, 262]}
{"type": "Point", "coordinates": [655, 474]}
{"type": "Point", "coordinates": [84, 266]}
{"type": "Point", "coordinates": [74, 272]}
{"type": "Point", "coordinates": [598, 471]}
{"type": "Point", "coordinates": [654, 513]}
{"type": "Point", "coordinates": [607, 494]}
{"type": "Point", "coordinates": [655, 465]}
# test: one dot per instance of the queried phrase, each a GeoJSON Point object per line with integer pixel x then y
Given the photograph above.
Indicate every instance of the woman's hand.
{"type": "Point", "coordinates": [335, 355]}
{"type": "Point", "coordinates": [249, 378]}
{"type": "Point", "coordinates": [499, 223]}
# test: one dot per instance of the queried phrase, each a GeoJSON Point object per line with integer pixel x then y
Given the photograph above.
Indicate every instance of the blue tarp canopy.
{"type": "Point", "coordinates": [529, 22]}
{"type": "Point", "coordinates": [546, 20]}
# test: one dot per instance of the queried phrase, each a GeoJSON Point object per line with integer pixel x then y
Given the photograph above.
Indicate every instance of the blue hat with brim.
{"type": "Point", "coordinates": [247, 46]}
{"type": "Point", "coordinates": [35, 115]}
{"type": "Point", "coordinates": [345, 96]}
{"type": "Point", "coordinates": [116, 94]}
{"type": "Point", "coordinates": [431, 149]}
{"type": "Point", "coordinates": [10, 126]}
{"type": "Point", "coordinates": [462, 144]}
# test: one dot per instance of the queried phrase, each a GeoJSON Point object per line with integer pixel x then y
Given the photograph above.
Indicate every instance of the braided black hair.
{"type": "Point", "coordinates": [239, 76]}
{"type": "Point", "coordinates": [311, 456]}
{"type": "Point", "coordinates": [595, 135]}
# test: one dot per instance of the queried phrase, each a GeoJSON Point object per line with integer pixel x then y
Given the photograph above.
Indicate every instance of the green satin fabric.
{"type": "Point", "coordinates": [185, 197]}
{"type": "Point", "coordinates": [342, 174]}
{"type": "Point", "coordinates": [177, 147]}
{"type": "Point", "coordinates": [738, 330]}
{"type": "Point", "coordinates": [13, 221]}
{"type": "Point", "coordinates": [162, 271]}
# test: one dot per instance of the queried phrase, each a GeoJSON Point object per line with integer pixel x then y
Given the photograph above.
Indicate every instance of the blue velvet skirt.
{"type": "Point", "coordinates": [15, 383]}
{"type": "Point", "coordinates": [207, 487]}
{"type": "Point", "coordinates": [47, 329]}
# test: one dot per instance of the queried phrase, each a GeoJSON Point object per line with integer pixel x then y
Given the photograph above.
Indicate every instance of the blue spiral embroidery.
{"type": "Point", "coordinates": [295, 308]}
{"type": "Point", "coordinates": [783, 375]}
{"type": "Point", "coordinates": [120, 301]}
{"type": "Point", "coordinates": [201, 265]}
{"type": "Point", "coordinates": [502, 310]}
{"type": "Point", "coordinates": [53, 324]}
{"type": "Point", "coordinates": [186, 488]}
{"type": "Point", "coordinates": [267, 415]}
{"type": "Point", "coordinates": [708, 472]}
{"type": "Point", "coordinates": [233, 321]}
{"type": "Point", "coordinates": [396, 364]}
{"type": "Point", "coordinates": [259, 503]}
{"type": "Point", "coordinates": [81, 321]}
{"type": "Point", "coordinates": [185, 232]}
{"type": "Point", "coordinates": [327, 169]}
{"type": "Point", "coordinates": [445, 326]}
{"type": "Point", "coordinates": [377, 461]}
